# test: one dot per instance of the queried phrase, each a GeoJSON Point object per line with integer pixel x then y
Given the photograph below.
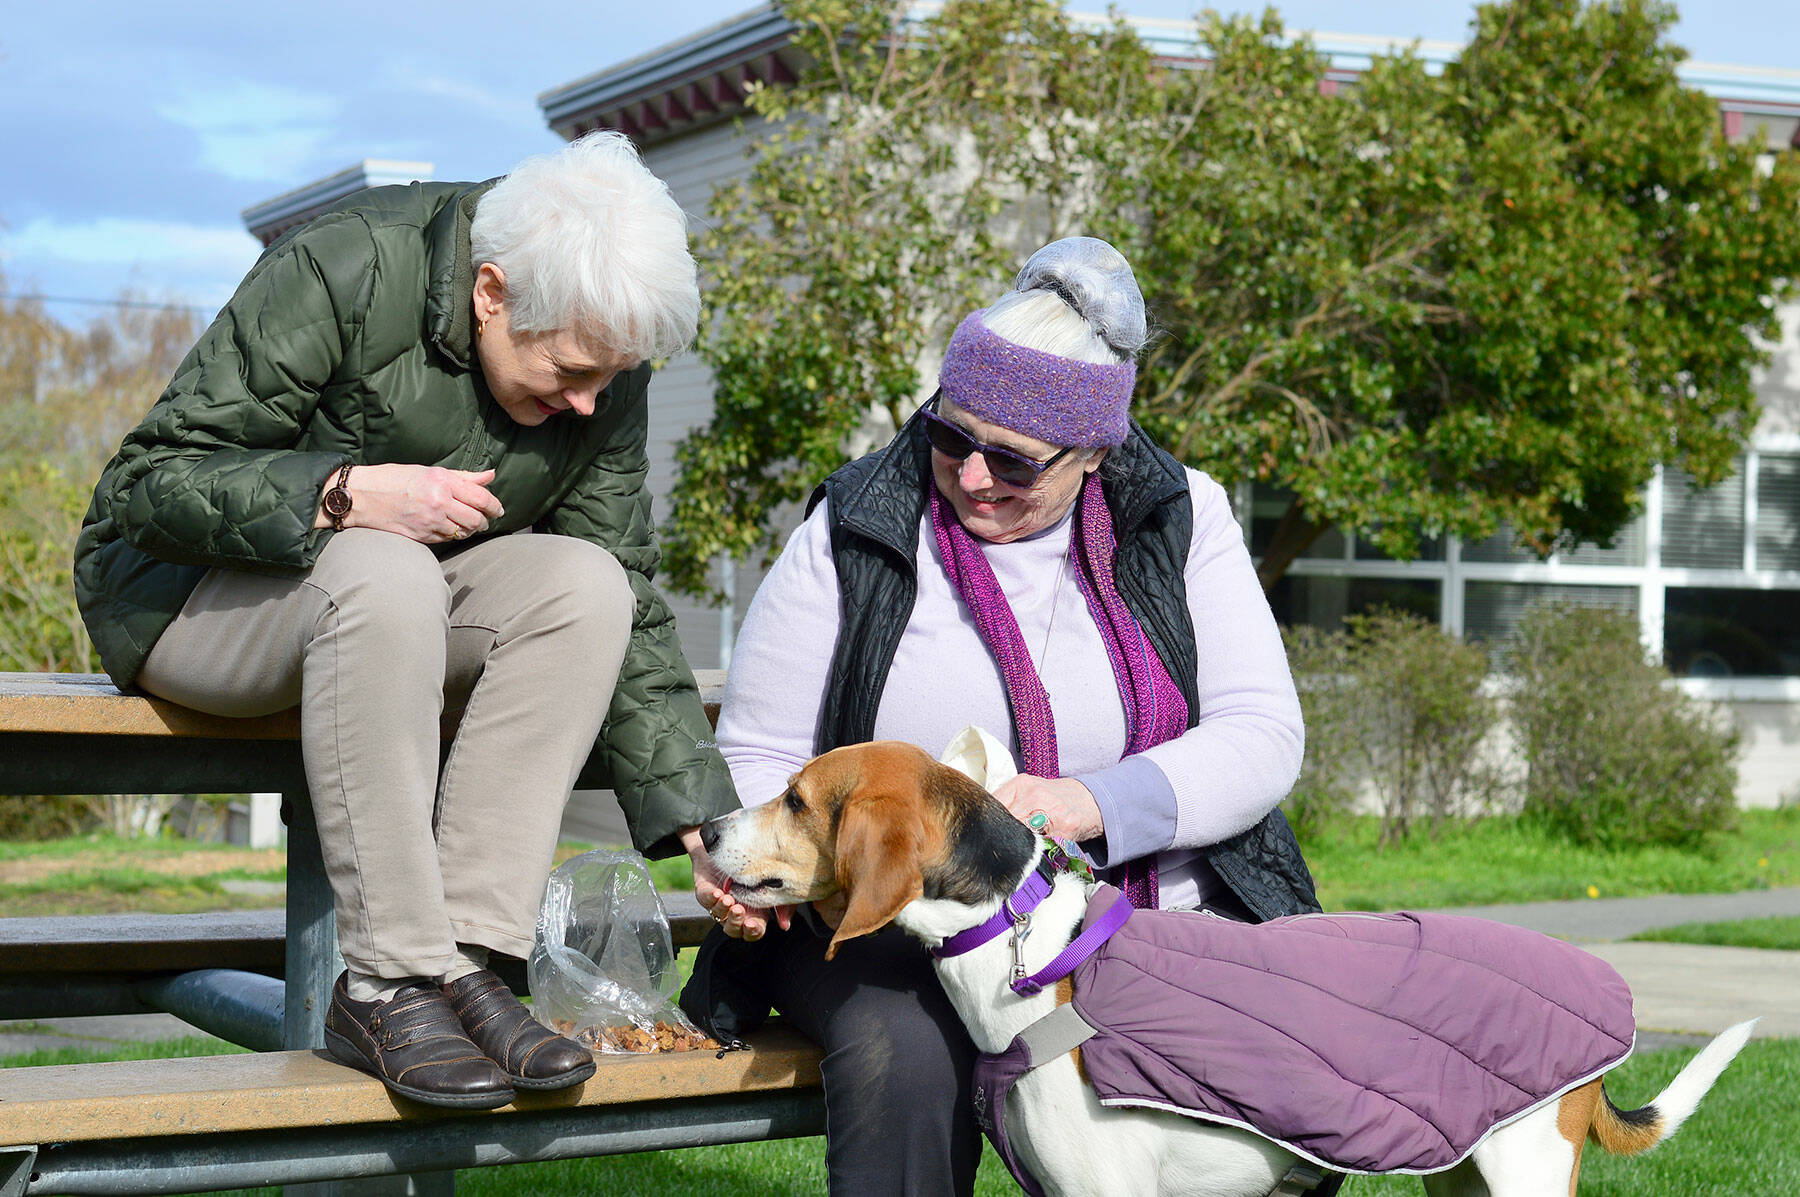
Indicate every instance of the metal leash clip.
{"type": "Point", "coordinates": [1021, 928]}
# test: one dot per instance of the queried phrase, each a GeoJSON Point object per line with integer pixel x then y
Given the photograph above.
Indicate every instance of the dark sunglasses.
{"type": "Point", "coordinates": [1010, 467]}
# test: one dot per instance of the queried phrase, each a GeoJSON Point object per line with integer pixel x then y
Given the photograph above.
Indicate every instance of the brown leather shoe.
{"type": "Point", "coordinates": [417, 1048]}
{"type": "Point", "coordinates": [534, 1056]}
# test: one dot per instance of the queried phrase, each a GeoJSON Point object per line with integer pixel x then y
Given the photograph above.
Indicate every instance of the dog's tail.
{"type": "Point", "coordinates": [1629, 1132]}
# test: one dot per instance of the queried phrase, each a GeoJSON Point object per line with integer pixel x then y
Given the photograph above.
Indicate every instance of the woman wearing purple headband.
{"type": "Point", "coordinates": [1020, 556]}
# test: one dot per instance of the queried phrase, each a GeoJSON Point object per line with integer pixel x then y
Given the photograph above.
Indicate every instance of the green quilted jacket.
{"type": "Point", "coordinates": [351, 341]}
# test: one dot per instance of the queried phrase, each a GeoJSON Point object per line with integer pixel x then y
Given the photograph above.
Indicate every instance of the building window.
{"type": "Point", "coordinates": [1328, 602]}
{"type": "Point", "coordinates": [1267, 505]}
{"type": "Point", "coordinates": [1703, 529]}
{"type": "Point", "coordinates": [1719, 595]}
{"type": "Point", "coordinates": [1778, 512]}
{"type": "Point", "coordinates": [1492, 611]}
{"type": "Point", "coordinates": [1502, 548]}
{"type": "Point", "coordinates": [1431, 548]}
{"type": "Point", "coordinates": [1716, 632]}
{"type": "Point", "coordinates": [1627, 548]}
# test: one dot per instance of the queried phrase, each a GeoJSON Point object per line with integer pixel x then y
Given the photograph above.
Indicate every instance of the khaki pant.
{"type": "Point", "coordinates": [524, 632]}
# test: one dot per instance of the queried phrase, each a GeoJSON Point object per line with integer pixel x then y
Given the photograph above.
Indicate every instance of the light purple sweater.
{"type": "Point", "coordinates": [1219, 778]}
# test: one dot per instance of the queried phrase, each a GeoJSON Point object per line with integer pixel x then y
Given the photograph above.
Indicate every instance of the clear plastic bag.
{"type": "Point", "coordinates": [603, 968]}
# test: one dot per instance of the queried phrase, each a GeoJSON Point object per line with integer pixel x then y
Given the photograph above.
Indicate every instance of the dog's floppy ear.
{"type": "Point", "coordinates": [880, 845]}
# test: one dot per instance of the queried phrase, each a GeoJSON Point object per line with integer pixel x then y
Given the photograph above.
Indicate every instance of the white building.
{"type": "Point", "coordinates": [291, 209]}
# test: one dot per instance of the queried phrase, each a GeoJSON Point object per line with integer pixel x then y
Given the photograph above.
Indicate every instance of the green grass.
{"type": "Point", "coordinates": [1508, 860]}
{"type": "Point", "coordinates": [1779, 933]}
{"type": "Point", "coordinates": [129, 888]}
{"type": "Point", "coordinates": [1740, 1141]}
{"type": "Point", "coordinates": [670, 873]}
{"type": "Point", "coordinates": [101, 842]}
{"type": "Point", "coordinates": [784, 1168]}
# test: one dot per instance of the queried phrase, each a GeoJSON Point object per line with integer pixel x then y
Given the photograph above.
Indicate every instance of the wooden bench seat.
{"type": "Point", "coordinates": [212, 1095]}
{"type": "Point", "coordinates": [291, 1117]}
{"type": "Point", "coordinates": [77, 733]}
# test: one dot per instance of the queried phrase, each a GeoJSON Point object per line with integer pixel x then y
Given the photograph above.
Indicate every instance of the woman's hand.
{"type": "Point", "coordinates": [1074, 815]}
{"type": "Point", "coordinates": [713, 893]}
{"type": "Point", "coordinates": [429, 504]}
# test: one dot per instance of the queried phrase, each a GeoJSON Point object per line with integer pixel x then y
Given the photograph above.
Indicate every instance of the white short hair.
{"type": "Point", "coordinates": [592, 243]}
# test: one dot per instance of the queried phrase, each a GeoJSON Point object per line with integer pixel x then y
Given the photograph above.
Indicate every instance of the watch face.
{"type": "Point", "coordinates": [337, 501]}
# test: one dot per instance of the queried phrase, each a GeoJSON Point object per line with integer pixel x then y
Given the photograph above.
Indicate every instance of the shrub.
{"type": "Point", "coordinates": [1424, 716]}
{"type": "Point", "coordinates": [1615, 756]}
{"type": "Point", "coordinates": [1397, 701]}
{"type": "Point", "coordinates": [1329, 773]}
{"type": "Point", "coordinates": [32, 818]}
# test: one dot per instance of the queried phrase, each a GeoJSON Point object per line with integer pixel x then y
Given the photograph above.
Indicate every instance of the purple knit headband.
{"type": "Point", "coordinates": [1054, 399]}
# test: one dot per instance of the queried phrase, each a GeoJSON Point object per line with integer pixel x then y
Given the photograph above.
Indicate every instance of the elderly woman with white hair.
{"type": "Point", "coordinates": [403, 472]}
{"type": "Point", "coordinates": [1023, 558]}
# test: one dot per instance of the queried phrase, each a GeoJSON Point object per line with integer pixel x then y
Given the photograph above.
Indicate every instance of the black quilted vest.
{"type": "Point", "coordinates": [877, 502]}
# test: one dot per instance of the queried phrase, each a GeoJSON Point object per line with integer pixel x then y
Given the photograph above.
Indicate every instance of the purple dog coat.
{"type": "Point", "coordinates": [1362, 1042]}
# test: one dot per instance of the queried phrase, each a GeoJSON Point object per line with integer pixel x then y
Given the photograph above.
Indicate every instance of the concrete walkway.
{"type": "Point", "coordinates": [1680, 990]}
{"type": "Point", "coordinates": [1684, 993]}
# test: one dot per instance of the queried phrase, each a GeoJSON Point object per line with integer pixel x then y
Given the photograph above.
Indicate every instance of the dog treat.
{"type": "Point", "coordinates": [662, 1037]}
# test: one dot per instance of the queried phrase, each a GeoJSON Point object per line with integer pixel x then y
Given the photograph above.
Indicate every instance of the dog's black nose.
{"type": "Point", "coordinates": [709, 834]}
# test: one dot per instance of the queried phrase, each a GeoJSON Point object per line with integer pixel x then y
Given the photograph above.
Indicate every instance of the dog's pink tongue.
{"type": "Point", "coordinates": [725, 890]}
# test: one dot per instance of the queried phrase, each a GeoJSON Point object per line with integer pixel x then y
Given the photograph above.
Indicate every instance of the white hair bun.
{"type": "Point", "coordinates": [1095, 280]}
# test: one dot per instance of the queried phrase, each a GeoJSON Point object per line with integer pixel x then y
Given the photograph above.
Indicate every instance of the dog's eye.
{"type": "Point", "coordinates": [794, 802]}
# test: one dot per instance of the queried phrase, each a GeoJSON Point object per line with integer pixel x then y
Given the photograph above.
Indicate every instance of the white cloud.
{"type": "Point", "coordinates": [204, 262]}
{"type": "Point", "coordinates": [149, 242]}
{"type": "Point", "coordinates": [257, 132]}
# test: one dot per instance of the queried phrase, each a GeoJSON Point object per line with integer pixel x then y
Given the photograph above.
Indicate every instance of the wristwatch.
{"type": "Point", "coordinates": [337, 499]}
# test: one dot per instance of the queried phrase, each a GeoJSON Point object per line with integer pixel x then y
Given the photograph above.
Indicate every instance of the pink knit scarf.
{"type": "Point", "coordinates": [1155, 710]}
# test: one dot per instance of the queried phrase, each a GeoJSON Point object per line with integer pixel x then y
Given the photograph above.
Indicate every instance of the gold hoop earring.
{"type": "Point", "coordinates": [480, 327]}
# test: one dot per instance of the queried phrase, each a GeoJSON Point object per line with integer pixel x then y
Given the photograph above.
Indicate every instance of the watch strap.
{"type": "Point", "coordinates": [337, 499]}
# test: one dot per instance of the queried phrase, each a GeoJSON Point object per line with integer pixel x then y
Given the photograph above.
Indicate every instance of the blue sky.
{"type": "Point", "coordinates": [133, 135]}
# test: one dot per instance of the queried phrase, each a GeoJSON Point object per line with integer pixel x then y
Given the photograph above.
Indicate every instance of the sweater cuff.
{"type": "Point", "coordinates": [1137, 810]}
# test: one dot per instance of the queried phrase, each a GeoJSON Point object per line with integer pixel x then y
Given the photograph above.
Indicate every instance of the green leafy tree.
{"type": "Point", "coordinates": [66, 397]}
{"type": "Point", "coordinates": [889, 191]}
{"type": "Point", "coordinates": [1427, 304]}
{"type": "Point", "coordinates": [1421, 304]}
{"type": "Point", "coordinates": [40, 629]}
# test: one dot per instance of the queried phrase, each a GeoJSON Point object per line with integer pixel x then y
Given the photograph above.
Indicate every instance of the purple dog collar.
{"type": "Point", "coordinates": [1013, 916]}
{"type": "Point", "coordinates": [1056, 399]}
{"type": "Point", "coordinates": [1024, 900]}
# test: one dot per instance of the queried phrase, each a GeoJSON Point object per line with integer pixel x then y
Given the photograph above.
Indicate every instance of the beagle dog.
{"type": "Point", "coordinates": [914, 842]}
